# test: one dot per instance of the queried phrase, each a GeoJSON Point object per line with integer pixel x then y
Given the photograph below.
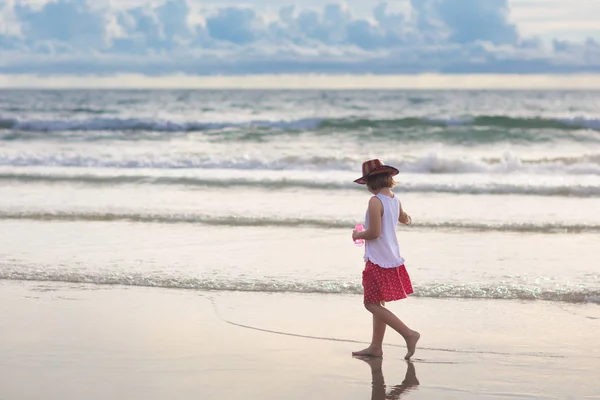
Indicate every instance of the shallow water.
{"type": "Point", "coordinates": [253, 191]}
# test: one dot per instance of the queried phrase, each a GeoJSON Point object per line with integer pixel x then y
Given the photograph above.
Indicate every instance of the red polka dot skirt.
{"type": "Point", "coordinates": [385, 284]}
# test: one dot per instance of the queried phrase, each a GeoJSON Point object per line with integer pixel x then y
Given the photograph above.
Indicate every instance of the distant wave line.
{"type": "Point", "coordinates": [432, 163]}
{"type": "Point", "coordinates": [241, 221]}
{"type": "Point", "coordinates": [487, 188]}
{"type": "Point", "coordinates": [303, 124]}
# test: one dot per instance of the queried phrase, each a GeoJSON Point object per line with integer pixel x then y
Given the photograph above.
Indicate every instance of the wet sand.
{"type": "Point", "coordinates": [62, 341]}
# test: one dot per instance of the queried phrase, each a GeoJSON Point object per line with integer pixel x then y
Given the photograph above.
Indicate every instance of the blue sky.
{"type": "Point", "coordinates": [273, 37]}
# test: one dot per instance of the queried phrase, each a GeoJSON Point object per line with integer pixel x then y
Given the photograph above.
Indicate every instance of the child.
{"type": "Point", "coordinates": [384, 277]}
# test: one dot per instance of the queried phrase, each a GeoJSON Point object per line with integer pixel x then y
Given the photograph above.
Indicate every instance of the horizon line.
{"type": "Point", "coordinates": [421, 81]}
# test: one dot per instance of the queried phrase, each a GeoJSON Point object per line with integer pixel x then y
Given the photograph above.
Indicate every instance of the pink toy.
{"type": "Point", "coordinates": [359, 228]}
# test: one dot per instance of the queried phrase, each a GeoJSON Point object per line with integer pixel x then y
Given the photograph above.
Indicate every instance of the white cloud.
{"type": "Point", "coordinates": [170, 36]}
{"type": "Point", "coordinates": [9, 26]}
{"type": "Point", "coordinates": [549, 19]}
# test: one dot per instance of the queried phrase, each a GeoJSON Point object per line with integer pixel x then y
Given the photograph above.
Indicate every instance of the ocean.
{"type": "Point", "coordinates": [253, 191]}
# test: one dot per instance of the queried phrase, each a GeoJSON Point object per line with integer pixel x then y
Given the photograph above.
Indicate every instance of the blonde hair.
{"type": "Point", "coordinates": [380, 181]}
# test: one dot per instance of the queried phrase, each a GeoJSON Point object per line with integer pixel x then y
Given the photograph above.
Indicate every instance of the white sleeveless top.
{"type": "Point", "coordinates": [385, 251]}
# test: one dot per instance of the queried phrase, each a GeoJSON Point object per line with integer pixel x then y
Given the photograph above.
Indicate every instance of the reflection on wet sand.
{"type": "Point", "coordinates": [379, 392]}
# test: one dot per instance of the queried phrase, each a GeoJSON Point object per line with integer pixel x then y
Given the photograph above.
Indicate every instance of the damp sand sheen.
{"type": "Point", "coordinates": [196, 244]}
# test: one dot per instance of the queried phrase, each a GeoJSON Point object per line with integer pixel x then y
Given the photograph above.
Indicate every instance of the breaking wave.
{"type": "Point", "coordinates": [433, 163]}
{"type": "Point", "coordinates": [489, 186]}
{"type": "Point", "coordinates": [440, 290]}
{"type": "Point", "coordinates": [152, 125]}
{"type": "Point", "coordinates": [472, 129]}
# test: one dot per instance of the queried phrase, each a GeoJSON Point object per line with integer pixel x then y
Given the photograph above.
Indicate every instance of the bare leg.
{"type": "Point", "coordinates": [376, 347]}
{"type": "Point", "coordinates": [389, 318]}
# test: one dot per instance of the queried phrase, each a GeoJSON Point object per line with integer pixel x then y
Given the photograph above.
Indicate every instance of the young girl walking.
{"type": "Point", "coordinates": [384, 277]}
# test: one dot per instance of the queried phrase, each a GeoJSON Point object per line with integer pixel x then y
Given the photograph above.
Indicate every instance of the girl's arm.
{"type": "Point", "coordinates": [404, 218]}
{"type": "Point", "coordinates": [375, 211]}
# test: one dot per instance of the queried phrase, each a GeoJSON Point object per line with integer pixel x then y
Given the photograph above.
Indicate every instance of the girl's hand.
{"type": "Point", "coordinates": [405, 219]}
{"type": "Point", "coordinates": [355, 235]}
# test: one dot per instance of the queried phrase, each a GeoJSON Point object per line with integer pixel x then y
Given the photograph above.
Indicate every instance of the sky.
{"type": "Point", "coordinates": [227, 37]}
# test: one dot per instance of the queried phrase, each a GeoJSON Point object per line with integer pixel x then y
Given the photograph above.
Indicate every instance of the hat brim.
{"type": "Point", "coordinates": [384, 169]}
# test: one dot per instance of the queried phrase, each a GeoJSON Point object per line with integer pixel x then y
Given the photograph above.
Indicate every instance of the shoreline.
{"type": "Point", "coordinates": [194, 285]}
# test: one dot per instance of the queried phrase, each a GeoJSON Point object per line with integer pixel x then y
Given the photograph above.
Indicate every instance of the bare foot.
{"type": "Point", "coordinates": [411, 344]}
{"type": "Point", "coordinates": [369, 352]}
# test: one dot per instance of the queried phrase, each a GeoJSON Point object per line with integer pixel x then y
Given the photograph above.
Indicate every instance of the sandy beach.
{"type": "Point", "coordinates": [66, 341]}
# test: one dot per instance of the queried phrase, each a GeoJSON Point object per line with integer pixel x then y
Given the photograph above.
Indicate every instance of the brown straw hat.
{"type": "Point", "coordinates": [374, 167]}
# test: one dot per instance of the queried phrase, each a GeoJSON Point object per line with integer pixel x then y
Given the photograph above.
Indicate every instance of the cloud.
{"type": "Point", "coordinates": [141, 32]}
{"type": "Point", "coordinates": [477, 20]}
{"type": "Point", "coordinates": [9, 25]}
{"type": "Point", "coordinates": [235, 25]}
{"type": "Point", "coordinates": [70, 22]}
{"type": "Point", "coordinates": [571, 52]}
{"type": "Point", "coordinates": [171, 36]}
{"type": "Point", "coordinates": [465, 21]}
{"type": "Point", "coordinates": [173, 16]}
